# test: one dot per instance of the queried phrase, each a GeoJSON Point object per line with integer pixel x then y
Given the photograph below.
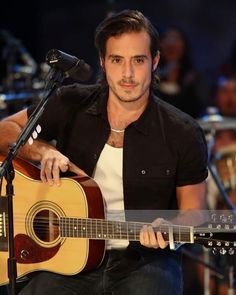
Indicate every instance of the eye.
{"type": "Point", "coordinates": [116, 60]}
{"type": "Point", "coordinates": [139, 60]}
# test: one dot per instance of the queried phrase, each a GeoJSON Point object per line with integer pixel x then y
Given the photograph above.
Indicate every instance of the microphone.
{"type": "Point", "coordinates": [72, 66]}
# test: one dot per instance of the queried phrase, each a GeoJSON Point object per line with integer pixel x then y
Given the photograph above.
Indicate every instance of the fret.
{"type": "Point", "coordinates": [86, 228]}
{"type": "Point", "coordinates": [96, 228]}
{"type": "Point", "coordinates": [73, 227]}
{"type": "Point", "coordinates": [66, 230]}
{"type": "Point", "coordinates": [89, 228]}
{"type": "Point", "coordinates": [119, 230]}
{"type": "Point", "coordinates": [104, 233]}
{"type": "Point", "coordinates": [131, 231]}
{"type": "Point", "coordinates": [107, 229]}
{"type": "Point", "coordinates": [77, 227]}
{"type": "Point", "coordinates": [113, 230]}
{"type": "Point", "coordinates": [110, 228]}
{"type": "Point", "coordinates": [83, 228]}
{"type": "Point", "coordinates": [99, 229]}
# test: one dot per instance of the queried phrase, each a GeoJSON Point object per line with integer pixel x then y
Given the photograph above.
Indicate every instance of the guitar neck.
{"type": "Point", "coordinates": [106, 229]}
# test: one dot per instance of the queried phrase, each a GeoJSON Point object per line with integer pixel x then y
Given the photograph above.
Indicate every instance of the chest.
{"type": "Point", "coordinates": [116, 139]}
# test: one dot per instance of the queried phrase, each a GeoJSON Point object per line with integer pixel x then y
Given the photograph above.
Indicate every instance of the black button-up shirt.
{"type": "Point", "coordinates": [163, 149]}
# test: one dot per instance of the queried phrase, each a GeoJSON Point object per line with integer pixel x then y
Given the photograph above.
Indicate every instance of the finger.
{"type": "Point", "coordinates": [42, 171]}
{"type": "Point", "coordinates": [64, 166]}
{"type": "Point", "coordinates": [56, 172]}
{"type": "Point", "coordinates": [141, 238]}
{"type": "Point", "coordinates": [157, 222]}
{"type": "Point", "coordinates": [48, 171]}
{"type": "Point", "coordinates": [162, 243]}
{"type": "Point", "coordinates": [153, 242]}
{"type": "Point", "coordinates": [75, 169]}
{"type": "Point", "coordinates": [144, 237]}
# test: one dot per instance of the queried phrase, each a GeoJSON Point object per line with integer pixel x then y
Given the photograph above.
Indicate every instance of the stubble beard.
{"type": "Point", "coordinates": [129, 98]}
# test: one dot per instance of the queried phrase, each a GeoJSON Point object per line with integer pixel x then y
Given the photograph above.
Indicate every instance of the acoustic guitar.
{"type": "Point", "coordinates": [63, 229]}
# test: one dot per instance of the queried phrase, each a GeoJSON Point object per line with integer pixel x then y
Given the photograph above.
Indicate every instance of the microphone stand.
{"type": "Point", "coordinates": [54, 79]}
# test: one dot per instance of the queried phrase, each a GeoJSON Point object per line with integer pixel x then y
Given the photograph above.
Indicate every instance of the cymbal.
{"type": "Point", "coordinates": [216, 122]}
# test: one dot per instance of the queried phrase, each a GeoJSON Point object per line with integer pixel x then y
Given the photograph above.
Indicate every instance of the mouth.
{"type": "Point", "coordinates": [128, 86]}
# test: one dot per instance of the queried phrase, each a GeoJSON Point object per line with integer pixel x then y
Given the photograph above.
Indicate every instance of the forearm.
{"type": "Point", "coordinates": [9, 132]}
{"type": "Point", "coordinates": [190, 217]}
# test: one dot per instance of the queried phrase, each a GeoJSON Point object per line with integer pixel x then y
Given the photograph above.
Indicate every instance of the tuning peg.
{"type": "Point", "coordinates": [231, 218]}
{"type": "Point", "coordinates": [223, 251]}
{"type": "Point", "coordinates": [214, 217]}
{"type": "Point", "coordinates": [223, 218]}
{"type": "Point", "coordinates": [231, 251]}
{"type": "Point", "coordinates": [210, 243]}
{"type": "Point", "coordinates": [215, 251]}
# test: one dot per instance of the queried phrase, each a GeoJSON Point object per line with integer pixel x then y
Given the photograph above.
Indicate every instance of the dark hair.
{"type": "Point", "coordinates": [123, 22]}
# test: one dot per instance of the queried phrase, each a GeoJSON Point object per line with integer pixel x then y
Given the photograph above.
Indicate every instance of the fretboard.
{"type": "Point", "coordinates": [106, 229]}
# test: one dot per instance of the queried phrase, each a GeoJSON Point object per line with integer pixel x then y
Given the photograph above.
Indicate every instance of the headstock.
{"type": "Point", "coordinates": [219, 234]}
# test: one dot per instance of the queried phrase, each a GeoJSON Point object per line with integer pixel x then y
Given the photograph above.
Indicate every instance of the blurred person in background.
{"type": "Point", "coordinates": [180, 83]}
{"type": "Point", "coordinates": [224, 95]}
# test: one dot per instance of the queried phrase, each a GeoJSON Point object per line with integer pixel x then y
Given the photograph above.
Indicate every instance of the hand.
{"type": "Point", "coordinates": [151, 239]}
{"type": "Point", "coordinates": [52, 163]}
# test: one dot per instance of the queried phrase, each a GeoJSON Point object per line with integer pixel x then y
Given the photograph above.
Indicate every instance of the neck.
{"type": "Point", "coordinates": [121, 114]}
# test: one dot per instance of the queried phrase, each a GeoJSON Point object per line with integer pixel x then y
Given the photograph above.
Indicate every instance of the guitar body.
{"type": "Point", "coordinates": [37, 208]}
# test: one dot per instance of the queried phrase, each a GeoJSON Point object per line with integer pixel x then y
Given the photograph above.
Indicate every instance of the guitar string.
{"type": "Point", "coordinates": [125, 233]}
{"type": "Point", "coordinates": [45, 220]}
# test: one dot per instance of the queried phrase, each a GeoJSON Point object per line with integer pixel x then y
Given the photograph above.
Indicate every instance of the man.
{"type": "Point", "coordinates": [143, 153]}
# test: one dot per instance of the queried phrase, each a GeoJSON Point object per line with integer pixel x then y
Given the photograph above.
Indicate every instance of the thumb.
{"type": "Point", "coordinates": [75, 169]}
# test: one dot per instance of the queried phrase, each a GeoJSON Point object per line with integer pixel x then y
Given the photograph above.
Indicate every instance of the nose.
{"type": "Point", "coordinates": [128, 70]}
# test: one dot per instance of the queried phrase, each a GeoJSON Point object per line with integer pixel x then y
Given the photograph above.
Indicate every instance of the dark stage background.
{"type": "Point", "coordinates": [210, 25]}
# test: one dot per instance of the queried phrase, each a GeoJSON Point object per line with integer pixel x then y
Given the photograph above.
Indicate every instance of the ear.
{"type": "Point", "coordinates": [155, 61]}
{"type": "Point", "coordinates": [102, 63]}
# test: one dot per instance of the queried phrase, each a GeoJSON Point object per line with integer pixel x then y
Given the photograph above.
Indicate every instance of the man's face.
{"type": "Point", "coordinates": [128, 66]}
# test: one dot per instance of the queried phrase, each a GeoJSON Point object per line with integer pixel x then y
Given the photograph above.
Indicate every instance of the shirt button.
{"type": "Point", "coordinates": [95, 156]}
{"type": "Point", "coordinates": [143, 172]}
{"type": "Point", "coordinates": [167, 171]}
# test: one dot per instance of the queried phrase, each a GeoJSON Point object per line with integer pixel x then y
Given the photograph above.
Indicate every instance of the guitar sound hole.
{"type": "Point", "coordinates": [46, 226]}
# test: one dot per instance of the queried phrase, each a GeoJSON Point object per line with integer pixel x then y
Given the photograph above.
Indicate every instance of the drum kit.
{"type": "Point", "coordinates": [222, 168]}
{"type": "Point", "coordinates": [224, 158]}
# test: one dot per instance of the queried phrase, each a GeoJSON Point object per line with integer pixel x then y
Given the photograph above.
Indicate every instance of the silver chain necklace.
{"type": "Point", "coordinates": [118, 130]}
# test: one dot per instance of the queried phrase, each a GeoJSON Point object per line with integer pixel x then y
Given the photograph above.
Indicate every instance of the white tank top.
{"type": "Point", "coordinates": [108, 175]}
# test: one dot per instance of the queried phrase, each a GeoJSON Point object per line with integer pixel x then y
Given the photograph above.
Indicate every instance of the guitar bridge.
{"type": "Point", "coordinates": [3, 224]}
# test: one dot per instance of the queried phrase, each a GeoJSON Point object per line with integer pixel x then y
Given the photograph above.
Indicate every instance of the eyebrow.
{"type": "Point", "coordinates": [119, 56]}
{"type": "Point", "coordinates": [114, 56]}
